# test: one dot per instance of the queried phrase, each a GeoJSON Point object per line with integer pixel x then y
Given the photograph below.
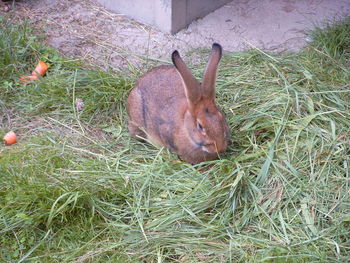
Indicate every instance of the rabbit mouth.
{"type": "Point", "coordinates": [205, 146]}
{"type": "Point", "coordinates": [205, 149]}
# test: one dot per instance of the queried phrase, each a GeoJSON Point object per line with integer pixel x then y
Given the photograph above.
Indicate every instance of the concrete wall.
{"type": "Point", "coordinates": [167, 15]}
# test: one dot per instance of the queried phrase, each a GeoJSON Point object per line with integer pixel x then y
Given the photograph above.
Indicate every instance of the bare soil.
{"type": "Point", "coordinates": [87, 30]}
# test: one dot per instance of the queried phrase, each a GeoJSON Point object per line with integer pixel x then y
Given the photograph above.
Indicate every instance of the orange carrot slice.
{"type": "Point", "coordinates": [40, 68]}
{"type": "Point", "coordinates": [10, 138]}
{"type": "Point", "coordinates": [28, 78]}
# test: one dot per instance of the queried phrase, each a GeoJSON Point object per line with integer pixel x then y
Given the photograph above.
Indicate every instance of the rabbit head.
{"type": "Point", "coordinates": [203, 120]}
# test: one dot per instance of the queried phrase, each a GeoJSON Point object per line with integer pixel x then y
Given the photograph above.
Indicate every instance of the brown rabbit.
{"type": "Point", "coordinates": [170, 108]}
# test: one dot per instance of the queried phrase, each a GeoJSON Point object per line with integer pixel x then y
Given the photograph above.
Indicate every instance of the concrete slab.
{"type": "Point", "coordinates": [170, 16]}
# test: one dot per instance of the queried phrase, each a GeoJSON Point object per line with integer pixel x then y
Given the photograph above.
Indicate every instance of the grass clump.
{"type": "Point", "coordinates": [333, 39]}
{"type": "Point", "coordinates": [76, 188]}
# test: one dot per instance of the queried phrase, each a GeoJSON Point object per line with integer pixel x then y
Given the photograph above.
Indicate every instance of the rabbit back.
{"type": "Point", "coordinates": [154, 105]}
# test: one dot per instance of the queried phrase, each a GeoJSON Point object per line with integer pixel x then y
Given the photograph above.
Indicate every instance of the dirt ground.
{"type": "Point", "coordinates": [85, 29]}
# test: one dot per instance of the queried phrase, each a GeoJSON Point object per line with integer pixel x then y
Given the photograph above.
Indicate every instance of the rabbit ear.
{"type": "Point", "coordinates": [191, 84]}
{"type": "Point", "coordinates": [209, 77]}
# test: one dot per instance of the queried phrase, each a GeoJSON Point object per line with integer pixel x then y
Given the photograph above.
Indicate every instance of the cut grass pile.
{"type": "Point", "coordinates": [77, 188]}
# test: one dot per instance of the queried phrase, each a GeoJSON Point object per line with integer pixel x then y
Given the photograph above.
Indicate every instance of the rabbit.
{"type": "Point", "coordinates": [170, 108]}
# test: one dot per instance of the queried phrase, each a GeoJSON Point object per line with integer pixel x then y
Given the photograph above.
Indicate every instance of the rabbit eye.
{"type": "Point", "coordinates": [200, 127]}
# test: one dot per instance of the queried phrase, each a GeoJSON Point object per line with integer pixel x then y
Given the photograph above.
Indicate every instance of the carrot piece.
{"type": "Point", "coordinates": [10, 138]}
{"type": "Point", "coordinates": [40, 68]}
{"type": "Point", "coordinates": [28, 78]}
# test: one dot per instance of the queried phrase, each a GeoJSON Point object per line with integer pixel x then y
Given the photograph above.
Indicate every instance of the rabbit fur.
{"type": "Point", "coordinates": [170, 108]}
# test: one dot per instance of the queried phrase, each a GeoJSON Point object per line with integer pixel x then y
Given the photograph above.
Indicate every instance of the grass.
{"type": "Point", "coordinates": [77, 188]}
